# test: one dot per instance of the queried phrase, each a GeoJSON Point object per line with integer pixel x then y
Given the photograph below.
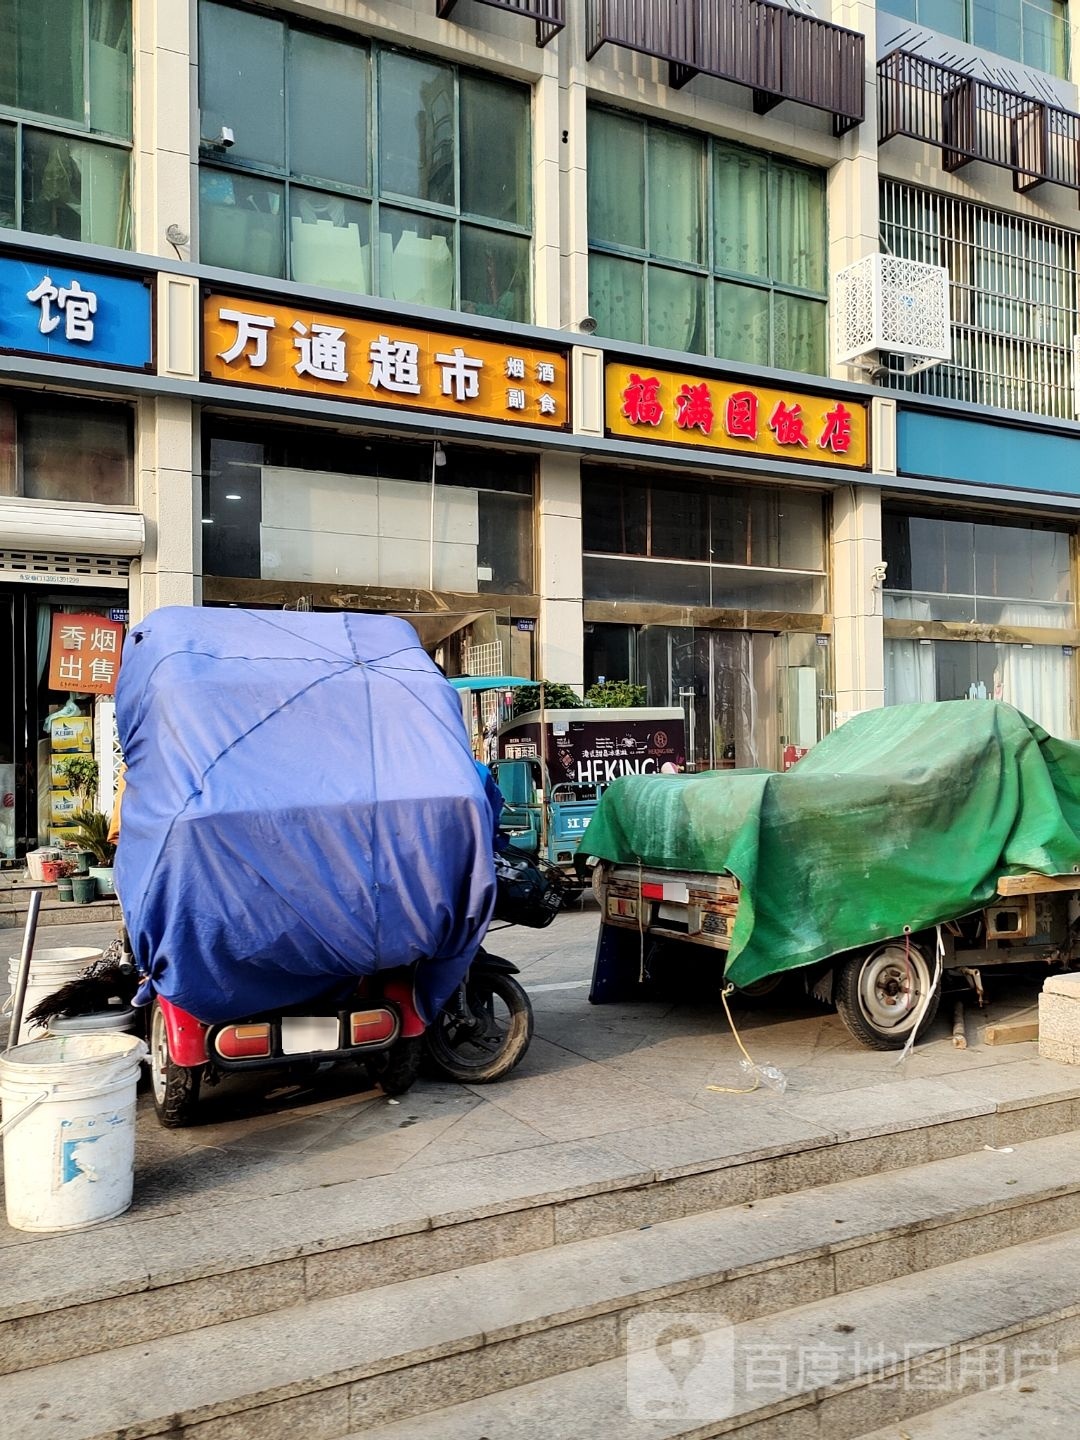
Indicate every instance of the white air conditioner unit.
{"type": "Point", "coordinates": [883, 303]}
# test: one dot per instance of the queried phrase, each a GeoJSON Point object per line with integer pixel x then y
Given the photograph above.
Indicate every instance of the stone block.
{"type": "Point", "coordinates": [1059, 1020]}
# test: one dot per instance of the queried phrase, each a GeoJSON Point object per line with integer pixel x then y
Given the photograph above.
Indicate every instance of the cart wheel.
{"type": "Point", "coordinates": [175, 1087]}
{"type": "Point", "coordinates": [396, 1069]}
{"type": "Point", "coordinates": [879, 995]}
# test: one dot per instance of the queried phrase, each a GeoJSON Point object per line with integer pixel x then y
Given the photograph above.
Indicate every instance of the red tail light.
{"type": "Point", "coordinates": [243, 1042]}
{"type": "Point", "coordinates": [652, 892]}
{"type": "Point", "coordinates": [373, 1027]}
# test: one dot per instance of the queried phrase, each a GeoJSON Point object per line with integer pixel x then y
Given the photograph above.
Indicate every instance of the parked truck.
{"type": "Point", "coordinates": [554, 765]}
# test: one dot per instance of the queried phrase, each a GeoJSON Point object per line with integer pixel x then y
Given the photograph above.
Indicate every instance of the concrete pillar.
{"type": "Point", "coordinates": [573, 191]}
{"type": "Point", "coordinates": [853, 180]}
{"type": "Point", "coordinates": [561, 632]}
{"type": "Point", "coordinates": [547, 107]}
{"type": "Point", "coordinates": [858, 644]}
{"type": "Point", "coordinates": [165, 113]}
{"type": "Point", "coordinates": [169, 489]}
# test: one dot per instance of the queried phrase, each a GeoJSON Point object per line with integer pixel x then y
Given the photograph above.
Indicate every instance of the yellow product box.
{"type": "Point", "coordinates": [62, 807]}
{"type": "Point", "coordinates": [74, 736]}
{"type": "Point", "coordinates": [61, 834]}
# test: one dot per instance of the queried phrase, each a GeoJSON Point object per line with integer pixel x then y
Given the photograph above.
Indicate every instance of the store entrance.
{"type": "Point", "coordinates": [35, 801]}
{"type": "Point", "coordinates": [751, 698]}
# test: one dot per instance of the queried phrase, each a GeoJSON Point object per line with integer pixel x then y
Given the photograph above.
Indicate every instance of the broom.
{"type": "Point", "coordinates": [112, 977]}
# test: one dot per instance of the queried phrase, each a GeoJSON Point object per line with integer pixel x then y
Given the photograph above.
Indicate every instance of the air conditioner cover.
{"type": "Point", "coordinates": [882, 302]}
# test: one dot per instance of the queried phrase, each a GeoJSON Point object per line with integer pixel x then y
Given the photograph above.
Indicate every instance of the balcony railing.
{"type": "Point", "coordinates": [550, 15]}
{"type": "Point", "coordinates": [780, 54]}
{"type": "Point", "coordinates": [971, 119]}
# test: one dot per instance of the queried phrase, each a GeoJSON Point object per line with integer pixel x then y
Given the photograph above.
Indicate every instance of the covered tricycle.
{"type": "Point", "coordinates": [915, 844]}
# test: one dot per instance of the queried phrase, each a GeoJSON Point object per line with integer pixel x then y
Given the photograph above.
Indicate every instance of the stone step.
{"type": "Point", "coordinates": [869, 1365]}
{"type": "Point", "coordinates": [403, 1349]}
{"type": "Point", "coordinates": [1033, 1407]}
{"type": "Point", "coordinates": [69, 1295]}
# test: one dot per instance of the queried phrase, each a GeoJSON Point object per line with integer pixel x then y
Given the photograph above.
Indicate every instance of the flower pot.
{"type": "Point", "coordinates": [103, 874]}
{"type": "Point", "coordinates": [83, 860]}
{"type": "Point", "coordinates": [64, 890]}
{"type": "Point", "coordinates": [51, 871]}
{"type": "Point", "coordinates": [84, 888]}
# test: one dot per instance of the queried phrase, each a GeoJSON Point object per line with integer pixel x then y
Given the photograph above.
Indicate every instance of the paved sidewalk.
{"type": "Point", "coordinates": [638, 1079]}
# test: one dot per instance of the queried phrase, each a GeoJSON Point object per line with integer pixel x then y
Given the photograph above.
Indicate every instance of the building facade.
{"type": "Point", "coordinates": [516, 317]}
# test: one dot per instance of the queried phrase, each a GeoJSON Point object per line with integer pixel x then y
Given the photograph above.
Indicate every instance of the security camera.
{"type": "Point", "coordinates": [587, 326]}
{"type": "Point", "coordinates": [226, 139]}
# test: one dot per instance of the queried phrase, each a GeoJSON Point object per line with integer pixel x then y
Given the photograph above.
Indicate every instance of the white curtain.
{"type": "Point", "coordinates": [1036, 680]}
{"type": "Point", "coordinates": [910, 675]}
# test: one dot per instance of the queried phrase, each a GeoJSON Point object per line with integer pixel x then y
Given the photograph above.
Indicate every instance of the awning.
{"type": "Point", "coordinates": [479, 684]}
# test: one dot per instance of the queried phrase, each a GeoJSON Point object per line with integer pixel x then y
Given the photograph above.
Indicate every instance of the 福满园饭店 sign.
{"type": "Point", "coordinates": [735, 416]}
{"type": "Point", "coordinates": [377, 361]}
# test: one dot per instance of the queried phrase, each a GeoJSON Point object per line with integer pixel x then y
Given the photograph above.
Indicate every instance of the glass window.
{"type": "Point", "coordinates": [495, 178]}
{"type": "Point", "coordinates": [242, 83]}
{"type": "Point", "coordinates": [633, 530]}
{"type": "Point", "coordinates": [241, 222]}
{"type": "Point", "coordinates": [75, 451]}
{"type": "Point", "coordinates": [712, 208]}
{"type": "Point", "coordinates": [416, 129]}
{"type": "Point", "coordinates": [328, 81]}
{"type": "Point", "coordinates": [494, 274]}
{"type": "Point", "coordinates": [8, 172]}
{"type": "Point", "coordinates": [1037, 679]}
{"type": "Point", "coordinates": [299, 505]}
{"type": "Point", "coordinates": [66, 74]}
{"type": "Point", "coordinates": [75, 188]}
{"type": "Point", "coordinates": [433, 215]}
{"type": "Point", "coordinates": [1032, 31]}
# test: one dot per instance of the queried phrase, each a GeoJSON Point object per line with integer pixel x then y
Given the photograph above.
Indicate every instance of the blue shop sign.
{"type": "Point", "coordinates": [50, 307]}
{"type": "Point", "coordinates": [942, 446]}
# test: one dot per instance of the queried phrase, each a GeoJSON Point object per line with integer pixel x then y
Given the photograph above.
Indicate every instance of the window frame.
{"type": "Point", "coordinates": [708, 270]}
{"type": "Point", "coordinates": [22, 119]}
{"type": "Point", "coordinates": [968, 37]}
{"type": "Point", "coordinates": [372, 195]}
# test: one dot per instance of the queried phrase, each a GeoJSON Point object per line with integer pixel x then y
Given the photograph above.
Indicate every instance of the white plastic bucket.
{"type": "Point", "coordinates": [49, 969]}
{"type": "Point", "coordinates": [69, 1129]}
{"type": "Point", "coordinates": [121, 1019]}
{"type": "Point", "coordinates": [34, 860]}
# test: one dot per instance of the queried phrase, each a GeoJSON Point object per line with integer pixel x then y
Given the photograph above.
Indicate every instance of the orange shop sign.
{"type": "Point", "coordinates": [380, 362]}
{"type": "Point", "coordinates": [747, 419]}
{"type": "Point", "coordinates": [84, 654]}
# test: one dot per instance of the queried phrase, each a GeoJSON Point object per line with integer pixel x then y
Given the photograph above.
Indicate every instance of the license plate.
{"type": "Point", "coordinates": [300, 1034]}
{"type": "Point", "coordinates": [625, 909]}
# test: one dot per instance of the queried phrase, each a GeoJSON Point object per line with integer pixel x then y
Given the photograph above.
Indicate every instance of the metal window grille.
{"type": "Point", "coordinates": [1014, 300]}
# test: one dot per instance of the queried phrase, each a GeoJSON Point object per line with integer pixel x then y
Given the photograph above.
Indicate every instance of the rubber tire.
{"type": "Point", "coordinates": [850, 1009]}
{"type": "Point", "coordinates": [396, 1069]}
{"type": "Point", "coordinates": [444, 1057]}
{"type": "Point", "coordinates": [176, 1091]}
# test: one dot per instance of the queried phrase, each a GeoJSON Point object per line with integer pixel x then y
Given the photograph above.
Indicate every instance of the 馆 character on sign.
{"type": "Point", "coordinates": [693, 406]}
{"type": "Point", "coordinates": [77, 304]}
{"type": "Point", "coordinates": [641, 404]}
{"type": "Point", "coordinates": [741, 415]}
{"type": "Point", "coordinates": [836, 435]}
{"type": "Point", "coordinates": [251, 329]}
{"type": "Point", "coordinates": [322, 352]}
{"type": "Point", "coordinates": [786, 423]}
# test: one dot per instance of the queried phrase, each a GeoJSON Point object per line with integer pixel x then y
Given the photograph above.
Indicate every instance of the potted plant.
{"type": "Point", "coordinates": [81, 773]}
{"type": "Point", "coordinates": [92, 833]}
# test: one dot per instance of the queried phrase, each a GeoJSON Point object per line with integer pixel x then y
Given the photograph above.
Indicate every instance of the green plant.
{"type": "Point", "coordinates": [81, 774]}
{"type": "Point", "coordinates": [615, 694]}
{"type": "Point", "coordinates": [556, 697]}
{"type": "Point", "coordinates": [92, 833]}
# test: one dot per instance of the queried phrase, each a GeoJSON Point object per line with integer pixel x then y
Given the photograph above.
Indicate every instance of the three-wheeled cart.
{"type": "Point", "coordinates": [881, 991]}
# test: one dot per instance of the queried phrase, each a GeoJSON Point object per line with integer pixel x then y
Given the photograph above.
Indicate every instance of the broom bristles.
{"type": "Point", "coordinates": [90, 992]}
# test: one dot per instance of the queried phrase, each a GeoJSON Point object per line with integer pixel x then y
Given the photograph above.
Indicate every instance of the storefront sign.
{"type": "Point", "coordinates": [665, 406]}
{"type": "Point", "coordinates": [380, 362]}
{"type": "Point", "coordinates": [84, 655]}
{"type": "Point", "coordinates": [49, 308]}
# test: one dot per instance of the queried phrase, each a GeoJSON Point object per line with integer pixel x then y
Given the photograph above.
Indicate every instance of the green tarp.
{"type": "Point", "coordinates": [903, 816]}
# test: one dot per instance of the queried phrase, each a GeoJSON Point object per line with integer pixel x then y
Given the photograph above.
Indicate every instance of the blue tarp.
{"type": "Point", "coordinates": [301, 806]}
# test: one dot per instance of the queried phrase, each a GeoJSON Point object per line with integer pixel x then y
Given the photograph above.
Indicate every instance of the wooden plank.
{"type": "Point", "coordinates": [1013, 1032]}
{"type": "Point", "coordinates": [1036, 884]}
